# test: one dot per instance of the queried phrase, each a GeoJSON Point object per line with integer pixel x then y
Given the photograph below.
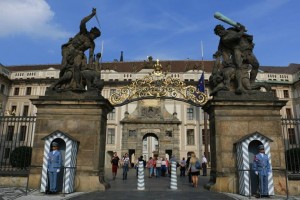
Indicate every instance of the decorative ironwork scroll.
{"type": "Point", "coordinates": [158, 85]}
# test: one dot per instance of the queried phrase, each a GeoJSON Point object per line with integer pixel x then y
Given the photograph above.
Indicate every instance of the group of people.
{"type": "Point", "coordinates": [161, 167]}
{"type": "Point", "coordinates": [116, 162]}
{"type": "Point", "coordinates": [158, 167]}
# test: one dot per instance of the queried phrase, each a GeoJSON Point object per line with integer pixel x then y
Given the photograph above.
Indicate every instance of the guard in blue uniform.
{"type": "Point", "coordinates": [261, 166]}
{"type": "Point", "coordinates": [54, 165]}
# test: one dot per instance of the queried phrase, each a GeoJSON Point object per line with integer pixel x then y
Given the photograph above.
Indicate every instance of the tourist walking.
{"type": "Point", "coordinates": [158, 167]}
{"type": "Point", "coordinates": [204, 165]}
{"type": "Point", "coordinates": [194, 166]}
{"type": "Point", "coordinates": [182, 166]}
{"type": "Point", "coordinates": [125, 165]}
{"type": "Point", "coordinates": [150, 166]}
{"type": "Point", "coordinates": [163, 167]}
{"type": "Point", "coordinates": [168, 172]}
{"type": "Point", "coordinates": [115, 164]}
{"type": "Point", "coordinates": [187, 167]}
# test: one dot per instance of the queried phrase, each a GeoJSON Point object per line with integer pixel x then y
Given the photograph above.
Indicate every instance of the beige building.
{"type": "Point", "coordinates": [146, 127]}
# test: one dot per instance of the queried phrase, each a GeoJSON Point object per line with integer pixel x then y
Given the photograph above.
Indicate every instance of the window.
{"type": "Point", "coordinates": [274, 93]}
{"type": "Point", "coordinates": [22, 135]}
{"type": "Point", "coordinates": [2, 89]}
{"type": "Point", "coordinates": [190, 113]}
{"type": "Point", "coordinates": [10, 133]}
{"type": "Point", "coordinates": [17, 90]}
{"type": "Point", "coordinates": [292, 136]}
{"type": "Point", "coordinates": [190, 134]}
{"type": "Point", "coordinates": [13, 110]}
{"type": "Point", "coordinates": [28, 91]}
{"type": "Point", "coordinates": [112, 115]}
{"type": "Point", "coordinates": [25, 110]}
{"type": "Point", "coordinates": [285, 93]}
{"type": "Point", "coordinates": [110, 136]}
{"type": "Point", "coordinates": [6, 153]}
{"type": "Point", "coordinates": [288, 112]}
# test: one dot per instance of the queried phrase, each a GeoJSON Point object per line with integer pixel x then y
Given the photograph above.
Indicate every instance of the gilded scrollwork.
{"type": "Point", "coordinates": [158, 85]}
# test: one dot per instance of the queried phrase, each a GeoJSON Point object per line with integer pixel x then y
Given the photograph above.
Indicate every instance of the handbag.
{"type": "Point", "coordinates": [198, 165]}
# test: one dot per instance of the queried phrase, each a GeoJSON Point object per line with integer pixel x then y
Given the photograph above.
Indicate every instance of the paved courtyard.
{"type": "Point", "coordinates": [155, 189]}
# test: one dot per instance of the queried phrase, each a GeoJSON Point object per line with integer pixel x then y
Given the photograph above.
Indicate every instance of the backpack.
{"type": "Point", "coordinates": [115, 161]}
{"type": "Point", "coordinates": [198, 165]}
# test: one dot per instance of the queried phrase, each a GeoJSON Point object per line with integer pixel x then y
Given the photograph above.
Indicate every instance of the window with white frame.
{"type": "Point", "coordinates": [110, 136]}
{"type": "Point", "coordinates": [286, 94]}
{"type": "Point", "coordinates": [190, 113]}
{"type": "Point", "coordinates": [190, 136]}
{"type": "Point", "coordinates": [112, 115]}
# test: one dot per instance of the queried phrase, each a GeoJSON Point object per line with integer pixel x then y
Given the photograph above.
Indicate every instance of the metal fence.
{"type": "Point", "coordinates": [16, 139]}
{"type": "Point", "coordinates": [17, 133]}
{"type": "Point", "coordinates": [291, 137]}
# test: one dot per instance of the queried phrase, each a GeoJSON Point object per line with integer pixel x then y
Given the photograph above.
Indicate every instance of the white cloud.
{"type": "Point", "coordinates": [29, 17]}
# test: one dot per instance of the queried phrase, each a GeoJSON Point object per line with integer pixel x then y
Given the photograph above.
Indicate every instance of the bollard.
{"type": "Point", "coordinates": [173, 182]}
{"type": "Point", "coordinates": [141, 177]}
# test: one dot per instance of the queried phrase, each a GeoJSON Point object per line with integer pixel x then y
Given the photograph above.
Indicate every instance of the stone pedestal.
{"type": "Point", "coordinates": [231, 118]}
{"type": "Point", "coordinates": [83, 117]}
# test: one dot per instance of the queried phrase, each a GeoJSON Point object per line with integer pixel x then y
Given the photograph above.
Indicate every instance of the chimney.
{"type": "Point", "coordinates": [121, 57]}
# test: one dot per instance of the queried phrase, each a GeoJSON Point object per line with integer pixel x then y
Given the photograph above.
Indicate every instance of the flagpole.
{"type": "Point", "coordinates": [204, 113]}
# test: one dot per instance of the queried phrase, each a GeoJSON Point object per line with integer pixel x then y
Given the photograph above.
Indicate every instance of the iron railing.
{"type": "Point", "coordinates": [291, 139]}
{"type": "Point", "coordinates": [18, 131]}
{"type": "Point", "coordinates": [16, 139]}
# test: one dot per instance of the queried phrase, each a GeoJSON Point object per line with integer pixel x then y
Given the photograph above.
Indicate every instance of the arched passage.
{"type": "Point", "coordinates": [150, 145]}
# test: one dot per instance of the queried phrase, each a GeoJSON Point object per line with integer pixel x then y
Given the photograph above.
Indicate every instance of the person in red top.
{"type": "Point", "coordinates": [150, 166]}
{"type": "Point", "coordinates": [115, 164]}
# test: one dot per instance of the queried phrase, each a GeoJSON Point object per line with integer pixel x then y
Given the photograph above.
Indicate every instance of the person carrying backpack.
{"type": "Point", "coordinates": [194, 166]}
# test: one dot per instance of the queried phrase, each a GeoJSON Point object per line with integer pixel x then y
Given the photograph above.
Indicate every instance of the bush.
{"type": "Point", "coordinates": [20, 157]}
{"type": "Point", "coordinates": [293, 160]}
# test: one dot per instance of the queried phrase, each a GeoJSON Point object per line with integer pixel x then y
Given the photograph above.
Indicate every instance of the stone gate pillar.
{"type": "Point", "coordinates": [231, 118]}
{"type": "Point", "coordinates": [83, 117]}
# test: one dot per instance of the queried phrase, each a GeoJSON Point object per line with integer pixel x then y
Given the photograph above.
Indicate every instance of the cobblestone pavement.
{"type": "Point", "coordinates": [7, 193]}
{"type": "Point", "coordinates": [155, 188]}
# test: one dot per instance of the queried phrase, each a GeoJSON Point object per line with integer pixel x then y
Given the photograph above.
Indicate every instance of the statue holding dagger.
{"type": "Point", "coordinates": [79, 72]}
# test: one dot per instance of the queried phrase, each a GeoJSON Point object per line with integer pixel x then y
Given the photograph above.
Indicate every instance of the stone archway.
{"type": "Point", "coordinates": [152, 120]}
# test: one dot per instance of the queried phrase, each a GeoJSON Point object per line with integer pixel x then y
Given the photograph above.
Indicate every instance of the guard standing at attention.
{"type": "Point", "coordinates": [54, 165]}
{"type": "Point", "coordinates": [261, 167]}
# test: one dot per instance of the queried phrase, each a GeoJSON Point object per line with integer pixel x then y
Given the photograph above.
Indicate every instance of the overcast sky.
{"type": "Point", "coordinates": [32, 31]}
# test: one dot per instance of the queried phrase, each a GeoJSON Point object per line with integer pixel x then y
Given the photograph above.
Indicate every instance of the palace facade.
{"type": "Point", "coordinates": [148, 127]}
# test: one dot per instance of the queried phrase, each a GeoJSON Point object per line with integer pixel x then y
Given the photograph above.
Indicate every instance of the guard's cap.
{"type": "Point", "coordinates": [261, 147]}
{"type": "Point", "coordinates": [54, 144]}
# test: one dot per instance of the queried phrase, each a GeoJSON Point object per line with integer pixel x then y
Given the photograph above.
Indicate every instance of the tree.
{"type": "Point", "coordinates": [20, 157]}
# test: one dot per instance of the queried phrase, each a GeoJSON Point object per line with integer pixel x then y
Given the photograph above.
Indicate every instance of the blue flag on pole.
{"type": "Point", "coordinates": [200, 85]}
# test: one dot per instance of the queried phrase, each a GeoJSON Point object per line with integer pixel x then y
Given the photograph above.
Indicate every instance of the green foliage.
{"type": "Point", "coordinates": [20, 157]}
{"type": "Point", "coordinates": [293, 159]}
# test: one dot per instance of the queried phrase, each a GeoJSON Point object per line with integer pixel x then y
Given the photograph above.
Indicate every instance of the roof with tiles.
{"type": "Point", "coordinates": [172, 65]}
